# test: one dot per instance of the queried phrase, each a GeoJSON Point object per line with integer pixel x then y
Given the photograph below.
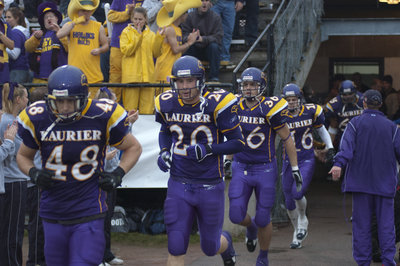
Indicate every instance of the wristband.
{"type": "Point", "coordinates": [295, 168]}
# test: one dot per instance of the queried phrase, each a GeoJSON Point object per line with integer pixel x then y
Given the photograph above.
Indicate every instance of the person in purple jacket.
{"type": "Point", "coordinates": [369, 149]}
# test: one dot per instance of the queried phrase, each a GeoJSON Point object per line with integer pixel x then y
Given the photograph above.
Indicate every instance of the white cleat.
{"type": "Point", "coordinates": [302, 234]}
{"type": "Point", "coordinates": [116, 261]}
{"type": "Point", "coordinates": [295, 245]}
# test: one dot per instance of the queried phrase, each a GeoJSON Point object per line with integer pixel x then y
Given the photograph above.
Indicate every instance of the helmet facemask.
{"type": "Point", "coordinates": [187, 94]}
{"type": "Point", "coordinates": [294, 103]}
{"type": "Point", "coordinates": [78, 106]}
{"type": "Point", "coordinates": [250, 89]}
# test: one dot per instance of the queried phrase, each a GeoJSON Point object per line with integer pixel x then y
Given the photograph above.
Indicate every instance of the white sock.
{"type": "Point", "coordinates": [301, 206]}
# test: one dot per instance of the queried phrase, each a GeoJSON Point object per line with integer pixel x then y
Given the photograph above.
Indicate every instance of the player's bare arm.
{"type": "Point", "coordinates": [132, 150]}
{"type": "Point", "coordinates": [25, 157]}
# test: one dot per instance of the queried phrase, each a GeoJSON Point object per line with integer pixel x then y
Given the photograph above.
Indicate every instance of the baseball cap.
{"type": "Point", "coordinates": [373, 97]}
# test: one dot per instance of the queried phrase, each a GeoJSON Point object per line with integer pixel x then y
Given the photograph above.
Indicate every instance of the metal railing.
{"type": "Point", "coordinates": [287, 36]}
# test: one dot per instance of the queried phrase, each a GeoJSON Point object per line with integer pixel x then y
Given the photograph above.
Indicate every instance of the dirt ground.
{"type": "Point", "coordinates": [328, 242]}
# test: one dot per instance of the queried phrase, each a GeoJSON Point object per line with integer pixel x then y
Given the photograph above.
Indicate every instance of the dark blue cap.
{"type": "Point", "coordinates": [373, 97]}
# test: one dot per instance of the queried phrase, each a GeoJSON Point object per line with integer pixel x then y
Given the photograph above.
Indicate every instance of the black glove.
{"type": "Point", "coordinates": [298, 179]}
{"type": "Point", "coordinates": [111, 180]}
{"type": "Point", "coordinates": [199, 151]}
{"type": "Point", "coordinates": [228, 168]}
{"type": "Point", "coordinates": [330, 154]}
{"type": "Point", "coordinates": [41, 177]}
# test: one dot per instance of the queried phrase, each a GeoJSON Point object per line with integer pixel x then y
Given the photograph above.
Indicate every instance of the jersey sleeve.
{"type": "Point", "coordinates": [159, 115]}
{"type": "Point", "coordinates": [319, 117]}
{"type": "Point", "coordinates": [278, 114]}
{"type": "Point", "coordinates": [117, 126]}
{"type": "Point", "coordinates": [26, 130]}
{"type": "Point", "coordinates": [226, 113]}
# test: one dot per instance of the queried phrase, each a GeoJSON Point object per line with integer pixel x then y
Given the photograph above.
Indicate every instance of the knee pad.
{"type": "Point", "coordinates": [237, 213]}
{"type": "Point", "coordinates": [210, 247]}
{"type": "Point", "coordinates": [263, 217]}
{"type": "Point", "coordinates": [176, 243]}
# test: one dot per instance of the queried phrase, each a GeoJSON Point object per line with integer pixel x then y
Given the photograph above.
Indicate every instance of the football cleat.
{"type": "Point", "coordinates": [295, 245]}
{"type": "Point", "coordinates": [301, 234]}
{"type": "Point", "coordinates": [229, 255]}
{"type": "Point", "coordinates": [251, 244]}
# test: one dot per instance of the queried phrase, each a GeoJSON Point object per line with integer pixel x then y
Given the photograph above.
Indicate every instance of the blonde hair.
{"type": "Point", "coordinates": [140, 10]}
{"type": "Point", "coordinates": [19, 91]}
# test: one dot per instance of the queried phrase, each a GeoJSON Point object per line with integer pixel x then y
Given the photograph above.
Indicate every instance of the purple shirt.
{"type": "Point", "coordinates": [21, 63]}
{"type": "Point", "coordinates": [301, 126]}
{"type": "Point", "coordinates": [259, 124]}
{"type": "Point", "coordinates": [74, 151]}
{"type": "Point", "coordinates": [118, 5]}
{"type": "Point", "coordinates": [189, 126]}
{"type": "Point", "coordinates": [369, 149]}
{"type": "Point", "coordinates": [50, 44]}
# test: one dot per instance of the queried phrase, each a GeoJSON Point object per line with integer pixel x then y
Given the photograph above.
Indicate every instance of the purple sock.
{"type": "Point", "coordinates": [251, 232]}
{"type": "Point", "coordinates": [229, 252]}
{"type": "Point", "coordinates": [262, 258]}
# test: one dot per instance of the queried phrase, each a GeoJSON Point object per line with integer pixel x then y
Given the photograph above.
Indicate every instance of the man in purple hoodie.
{"type": "Point", "coordinates": [369, 149]}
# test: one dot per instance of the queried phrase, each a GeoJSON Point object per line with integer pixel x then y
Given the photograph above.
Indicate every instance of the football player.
{"type": "Point", "coordinates": [255, 168]}
{"type": "Point", "coordinates": [194, 123]}
{"type": "Point", "coordinates": [302, 119]}
{"type": "Point", "coordinates": [72, 133]}
{"type": "Point", "coordinates": [341, 109]}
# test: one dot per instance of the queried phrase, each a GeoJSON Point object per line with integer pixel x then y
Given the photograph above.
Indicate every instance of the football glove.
{"type": "Point", "coordinates": [228, 168]}
{"type": "Point", "coordinates": [41, 177]}
{"type": "Point", "coordinates": [164, 160]}
{"type": "Point", "coordinates": [298, 179]}
{"type": "Point", "coordinates": [198, 152]}
{"type": "Point", "coordinates": [330, 154]}
{"type": "Point", "coordinates": [111, 180]}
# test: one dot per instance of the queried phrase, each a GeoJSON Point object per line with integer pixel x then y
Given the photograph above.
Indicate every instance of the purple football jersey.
{"type": "Point", "coordinates": [73, 151]}
{"type": "Point", "coordinates": [259, 124]}
{"type": "Point", "coordinates": [310, 116]}
{"type": "Point", "coordinates": [188, 126]}
{"type": "Point", "coordinates": [336, 109]}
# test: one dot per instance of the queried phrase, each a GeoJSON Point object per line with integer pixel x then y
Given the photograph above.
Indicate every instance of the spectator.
{"type": "Point", "coordinates": [370, 151]}
{"type": "Point", "coordinates": [170, 16]}
{"type": "Point", "coordinates": [19, 67]}
{"type": "Point", "coordinates": [5, 43]}
{"type": "Point", "coordinates": [136, 44]}
{"type": "Point", "coordinates": [35, 227]}
{"type": "Point", "coordinates": [119, 15]}
{"type": "Point", "coordinates": [87, 40]}
{"type": "Point", "coordinates": [207, 47]}
{"type": "Point", "coordinates": [47, 51]}
{"type": "Point", "coordinates": [15, 99]}
{"type": "Point", "coordinates": [251, 27]}
{"type": "Point", "coordinates": [227, 10]}
{"type": "Point", "coordinates": [152, 7]}
{"type": "Point", "coordinates": [357, 79]}
{"type": "Point", "coordinates": [391, 97]}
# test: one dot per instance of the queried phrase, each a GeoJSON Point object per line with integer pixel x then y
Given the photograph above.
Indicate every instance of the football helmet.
{"type": "Point", "coordinates": [347, 91]}
{"type": "Point", "coordinates": [292, 90]}
{"type": "Point", "coordinates": [185, 67]}
{"type": "Point", "coordinates": [67, 83]}
{"type": "Point", "coordinates": [249, 75]}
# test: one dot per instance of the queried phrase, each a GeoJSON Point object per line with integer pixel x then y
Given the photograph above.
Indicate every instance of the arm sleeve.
{"type": "Point", "coordinates": [117, 16]}
{"type": "Point", "coordinates": [6, 148]}
{"type": "Point", "coordinates": [347, 143]}
{"type": "Point", "coordinates": [233, 144]}
{"type": "Point", "coordinates": [164, 138]}
{"type": "Point", "coordinates": [14, 53]}
{"type": "Point", "coordinates": [130, 41]}
{"type": "Point", "coordinates": [326, 138]}
{"type": "Point", "coordinates": [31, 44]}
